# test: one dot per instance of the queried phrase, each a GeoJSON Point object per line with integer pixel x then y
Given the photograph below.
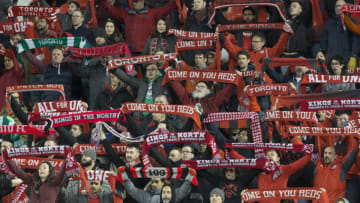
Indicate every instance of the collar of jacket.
{"type": "Point", "coordinates": [142, 11]}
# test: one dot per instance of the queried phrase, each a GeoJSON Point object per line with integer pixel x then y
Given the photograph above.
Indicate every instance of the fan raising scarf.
{"type": "Point", "coordinates": [27, 44]}
{"type": "Point", "coordinates": [201, 75]}
{"type": "Point", "coordinates": [84, 117]}
{"type": "Point", "coordinates": [291, 116]}
{"type": "Point", "coordinates": [180, 137]}
{"type": "Point", "coordinates": [254, 195]}
{"type": "Point", "coordinates": [268, 90]}
{"type": "Point", "coordinates": [255, 125]}
{"type": "Point", "coordinates": [330, 104]}
{"type": "Point", "coordinates": [181, 110]}
{"type": "Point", "coordinates": [99, 149]}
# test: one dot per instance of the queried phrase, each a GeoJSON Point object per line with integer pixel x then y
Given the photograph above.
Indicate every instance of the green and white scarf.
{"type": "Point", "coordinates": [28, 44]}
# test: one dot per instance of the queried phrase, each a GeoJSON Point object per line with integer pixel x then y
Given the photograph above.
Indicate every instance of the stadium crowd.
{"type": "Point", "coordinates": [192, 101]}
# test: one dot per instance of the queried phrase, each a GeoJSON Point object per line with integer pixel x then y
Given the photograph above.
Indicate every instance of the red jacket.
{"type": "Point", "coordinates": [210, 104]}
{"type": "Point", "coordinates": [257, 57]}
{"type": "Point", "coordinates": [138, 25]}
{"type": "Point", "coordinates": [265, 180]}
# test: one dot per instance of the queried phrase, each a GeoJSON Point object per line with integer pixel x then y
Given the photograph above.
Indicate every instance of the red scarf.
{"type": "Point", "coordinates": [255, 195]}
{"type": "Point", "coordinates": [189, 35]}
{"type": "Point", "coordinates": [28, 88]}
{"type": "Point", "coordinates": [24, 130]}
{"type": "Point", "coordinates": [85, 117]}
{"type": "Point", "coordinates": [321, 131]}
{"type": "Point", "coordinates": [303, 148]}
{"type": "Point", "coordinates": [200, 75]}
{"type": "Point", "coordinates": [261, 163]}
{"type": "Point", "coordinates": [37, 116]}
{"type": "Point", "coordinates": [111, 50]}
{"type": "Point", "coordinates": [268, 90]}
{"type": "Point", "coordinates": [291, 116]}
{"type": "Point", "coordinates": [11, 28]}
{"type": "Point", "coordinates": [99, 149]}
{"type": "Point", "coordinates": [59, 106]}
{"type": "Point", "coordinates": [31, 11]}
{"type": "Point", "coordinates": [114, 63]}
{"type": "Point", "coordinates": [330, 104]}
{"type": "Point", "coordinates": [180, 137]}
{"type": "Point", "coordinates": [181, 110]}
{"type": "Point", "coordinates": [252, 26]}
{"type": "Point", "coordinates": [183, 45]}
{"type": "Point", "coordinates": [255, 125]}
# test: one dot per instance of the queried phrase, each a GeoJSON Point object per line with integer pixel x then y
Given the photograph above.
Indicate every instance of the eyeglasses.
{"type": "Point", "coordinates": [256, 41]}
{"type": "Point", "coordinates": [200, 87]}
{"type": "Point", "coordinates": [151, 69]}
{"type": "Point", "coordinates": [186, 152]}
{"type": "Point", "coordinates": [76, 16]}
{"type": "Point", "coordinates": [235, 134]}
{"type": "Point", "coordinates": [230, 170]}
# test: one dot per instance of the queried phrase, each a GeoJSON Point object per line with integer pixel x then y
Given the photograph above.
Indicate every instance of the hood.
{"type": "Point", "coordinates": [173, 195]}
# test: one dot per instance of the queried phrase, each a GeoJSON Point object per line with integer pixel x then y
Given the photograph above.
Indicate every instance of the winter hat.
{"type": "Point", "coordinates": [219, 192]}
{"type": "Point", "coordinates": [90, 153]}
{"type": "Point", "coordinates": [343, 199]}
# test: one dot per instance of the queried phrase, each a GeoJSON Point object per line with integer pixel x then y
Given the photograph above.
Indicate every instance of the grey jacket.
{"type": "Point", "coordinates": [142, 86]}
{"type": "Point", "coordinates": [73, 196]}
{"type": "Point", "coordinates": [146, 197]}
{"type": "Point", "coordinates": [5, 4]}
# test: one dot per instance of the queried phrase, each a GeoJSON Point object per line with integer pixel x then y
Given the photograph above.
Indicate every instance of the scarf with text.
{"type": "Point", "coordinates": [59, 106]}
{"type": "Point", "coordinates": [303, 148]}
{"type": "Point", "coordinates": [198, 40]}
{"type": "Point", "coordinates": [180, 137]}
{"type": "Point", "coordinates": [117, 62]}
{"type": "Point", "coordinates": [230, 116]}
{"type": "Point", "coordinates": [183, 45]}
{"type": "Point", "coordinates": [11, 28]}
{"type": "Point", "coordinates": [37, 116]}
{"type": "Point", "coordinates": [254, 195]}
{"type": "Point", "coordinates": [111, 50]}
{"type": "Point", "coordinates": [84, 117]}
{"type": "Point", "coordinates": [291, 116]}
{"type": "Point", "coordinates": [353, 27]}
{"type": "Point", "coordinates": [99, 149]}
{"type": "Point", "coordinates": [31, 11]}
{"type": "Point", "coordinates": [201, 75]}
{"type": "Point", "coordinates": [158, 172]}
{"type": "Point", "coordinates": [321, 131]}
{"type": "Point", "coordinates": [330, 104]}
{"type": "Point", "coordinates": [29, 88]}
{"type": "Point", "coordinates": [261, 163]}
{"type": "Point", "coordinates": [25, 130]}
{"type": "Point", "coordinates": [34, 162]}
{"type": "Point", "coordinates": [27, 44]}
{"type": "Point", "coordinates": [220, 4]}
{"type": "Point", "coordinates": [180, 110]}
{"type": "Point", "coordinates": [351, 8]}
{"type": "Point", "coordinates": [292, 100]}
{"type": "Point", "coordinates": [19, 192]}
{"type": "Point", "coordinates": [325, 79]}
{"type": "Point", "coordinates": [252, 26]}
{"type": "Point", "coordinates": [268, 90]}
{"type": "Point", "coordinates": [71, 164]}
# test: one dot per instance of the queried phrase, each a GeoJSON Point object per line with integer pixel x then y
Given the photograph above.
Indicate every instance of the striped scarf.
{"type": "Point", "coordinates": [28, 44]}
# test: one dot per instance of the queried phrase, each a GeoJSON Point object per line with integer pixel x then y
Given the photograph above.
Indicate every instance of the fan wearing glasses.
{"type": "Point", "coordinates": [242, 135]}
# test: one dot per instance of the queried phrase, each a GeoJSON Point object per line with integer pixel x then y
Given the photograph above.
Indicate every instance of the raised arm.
{"type": "Point", "coordinates": [136, 193]}
{"type": "Point", "coordinates": [115, 12]}
{"type": "Point", "coordinates": [165, 10]}
{"type": "Point", "coordinates": [27, 179]}
{"type": "Point", "coordinates": [41, 66]}
{"type": "Point", "coordinates": [180, 92]}
{"type": "Point", "coordinates": [224, 95]}
{"type": "Point", "coordinates": [280, 46]}
{"type": "Point", "coordinates": [111, 153]}
{"type": "Point", "coordinates": [59, 176]}
{"type": "Point", "coordinates": [297, 165]}
{"type": "Point", "coordinates": [127, 78]}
